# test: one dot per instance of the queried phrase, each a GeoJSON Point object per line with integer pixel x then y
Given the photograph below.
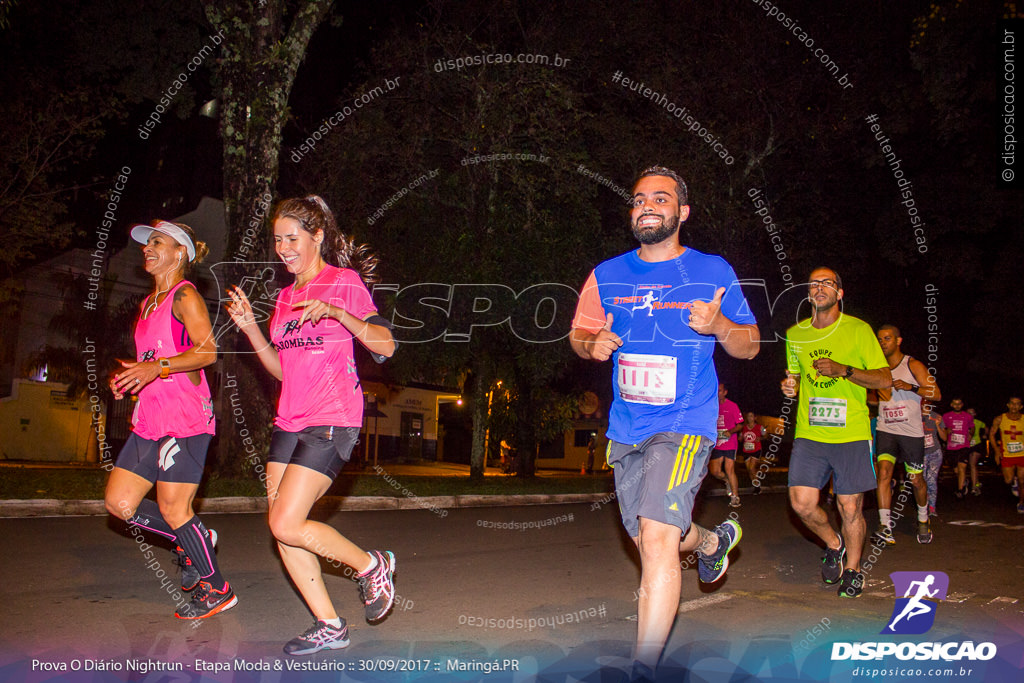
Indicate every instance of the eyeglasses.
{"type": "Point", "coordinates": [818, 284]}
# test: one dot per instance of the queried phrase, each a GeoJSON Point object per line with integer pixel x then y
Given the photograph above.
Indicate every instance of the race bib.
{"type": "Point", "coordinates": [826, 412]}
{"type": "Point", "coordinates": [723, 436]}
{"type": "Point", "coordinates": [646, 378]}
{"type": "Point", "coordinates": [893, 413]}
{"type": "Point", "coordinates": [929, 440]}
{"type": "Point", "coordinates": [956, 439]}
{"type": "Point", "coordinates": [1015, 447]}
{"type": "Point", "coordinates": [748, 446]}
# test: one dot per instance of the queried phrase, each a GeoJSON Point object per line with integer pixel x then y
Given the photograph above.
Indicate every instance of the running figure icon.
{"type": "Point", "coordinates": [915, 606]}
{"type": "Point", "coordinates": [648, 303]}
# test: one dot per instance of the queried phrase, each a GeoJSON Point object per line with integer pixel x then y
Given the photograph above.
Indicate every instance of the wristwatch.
{"type": "Point", "coordinates": [849, 371]}
{"type": "Point", "coordinates": [165, 367]}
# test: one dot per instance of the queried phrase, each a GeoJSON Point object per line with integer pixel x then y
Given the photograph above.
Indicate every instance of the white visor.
{"type": "Point", "coordinates": [141, 233]}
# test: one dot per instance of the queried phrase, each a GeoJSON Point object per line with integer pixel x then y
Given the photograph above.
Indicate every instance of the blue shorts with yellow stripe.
{"type": "Point", "coordinates": [659, 478]}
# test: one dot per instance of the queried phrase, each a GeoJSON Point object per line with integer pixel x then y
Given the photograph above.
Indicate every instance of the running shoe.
{"type": "Point", "coordinates": [1020, 508]}
{"type": "Point", "coordinates": [924, 532]}
{"type": "Point", "coordinates": [319, 636]}
{"type": "Point", "coordinates": [641, 673]}
{"type": "Point", "coordinates": [852, 584]}
{"type": "Point", "coordinates": [932, 512]}
{"type": "Point", "coordinates": [757, 490]}
{"type": "Point", "coordinates": [832, 562]}
{"type": "Point", "coordinates": [189, 574]}
{"type": "Point", "coordinates": [734, 502]}
{"type": "Point", "coordinates": [977, 489]}
{"type": "Point", "coordinates": [206, 601]}
{"type": "Point", "coordinates": [710, 568]}
{"type": "Point", "coordinates": [883, 536]}
{"type": "Point", "coordinates": [377, 586]}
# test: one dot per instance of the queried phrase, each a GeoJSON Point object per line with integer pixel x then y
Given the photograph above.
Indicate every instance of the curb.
{"type": "Point", "coordinates": [51, 507]}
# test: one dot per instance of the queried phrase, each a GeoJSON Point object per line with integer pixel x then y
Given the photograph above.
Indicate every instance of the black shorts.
{"type": "Point", "coordinates": [729, 453]}
{"type": "Point", "coordinates": [175, 459]}
{"type": "Point", "coordinates": [961, 455]}
{"type": "Point", "coordinates": [324, 449]}
{"type": "Point", "coordinates": [897, 448]}
{"type": "Point", "coordinates": [752, 455]}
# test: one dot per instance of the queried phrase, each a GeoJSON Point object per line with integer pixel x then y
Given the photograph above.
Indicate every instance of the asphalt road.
{"type": "Point", "coordinates": [551, 592]}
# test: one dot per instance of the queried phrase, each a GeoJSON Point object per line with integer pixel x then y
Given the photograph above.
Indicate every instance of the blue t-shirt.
{"type": "Point", "coordinates": [665, 379]}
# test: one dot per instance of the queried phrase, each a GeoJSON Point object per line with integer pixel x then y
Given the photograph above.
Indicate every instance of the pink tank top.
{"type": "Point", "coordinates": [172, 406]}
{"type": "Point", "coordinates": [320, 385]}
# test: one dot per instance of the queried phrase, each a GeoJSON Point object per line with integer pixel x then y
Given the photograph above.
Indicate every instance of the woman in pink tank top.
{"type": "Point", "coordinates": [172, 423]}
{"type": "Point", "coordinates": [320, 409]}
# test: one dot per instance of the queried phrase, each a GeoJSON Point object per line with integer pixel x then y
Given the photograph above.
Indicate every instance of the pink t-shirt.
{"type": "Point", "coordinates": [728, 417]}
{"type": "Point", "coordinates": [172, 406]}
{"type": "Point", "coordinates": [320, 384]}
{"type": "Point", "coordinates": [959, 426]}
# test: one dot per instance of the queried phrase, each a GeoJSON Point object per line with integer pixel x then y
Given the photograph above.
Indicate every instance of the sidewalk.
{"type": "Point", "coordinates": [50, 507]}
{"type": "Point", "coordinates": [431, 468]}
{"type": "Point", "coordinates": [421, 468]}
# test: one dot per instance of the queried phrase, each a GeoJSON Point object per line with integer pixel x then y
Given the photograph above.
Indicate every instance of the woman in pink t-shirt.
{"type": "Point", "coordinates": [320, 410]}
{"type": "Point", "coordinates": [172, 424]}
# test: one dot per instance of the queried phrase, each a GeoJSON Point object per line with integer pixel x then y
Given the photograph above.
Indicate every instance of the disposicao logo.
{"type": "Point", "coordinates": [914, 613]}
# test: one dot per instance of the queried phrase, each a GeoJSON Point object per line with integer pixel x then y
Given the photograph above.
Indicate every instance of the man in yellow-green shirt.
{"type": "Point", "coordinates": [832, 360]}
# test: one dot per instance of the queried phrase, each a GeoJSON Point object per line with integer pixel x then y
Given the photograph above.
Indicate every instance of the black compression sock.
{"type": "Point", "coordinates": [195, 541]}
{"type": "Point", "coordinates": [147, 516]}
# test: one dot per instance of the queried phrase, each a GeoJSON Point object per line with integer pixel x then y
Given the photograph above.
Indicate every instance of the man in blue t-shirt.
{"type": "Point", "coordinates": [657, 312]}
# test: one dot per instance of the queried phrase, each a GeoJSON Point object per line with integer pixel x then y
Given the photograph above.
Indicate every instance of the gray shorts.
{"type": "Point", "coordinates": [659, 478]}
{"type": "Point", "coordinates": [851, 464]}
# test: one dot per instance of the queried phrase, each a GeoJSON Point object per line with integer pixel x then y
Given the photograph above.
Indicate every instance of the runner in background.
{"type": "Point", "coordinates": [979, 442]}
{"type": "Point", "coordinates": [722, 465]}
{"type": "Point", "coordinates": [934, 434]}
{"type": "Point", "coordinates": [1009, 446]}
{"type": "Point", "coordinates": [900, 436]}
{"type": "Point", "coordinates": [751, 435]}
{"type": "Point", "coordinates": [960, 426]}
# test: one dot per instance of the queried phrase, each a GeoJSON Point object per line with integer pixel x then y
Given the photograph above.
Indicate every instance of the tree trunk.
{"type": "Point", "coordinates": [526, 425]}
{"type": "Point", "coordinates": [478, 453]}
{"type": "Point", "coordinates": [256, 69]}
{"type": "Point", "coordinates": [259, 57]}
